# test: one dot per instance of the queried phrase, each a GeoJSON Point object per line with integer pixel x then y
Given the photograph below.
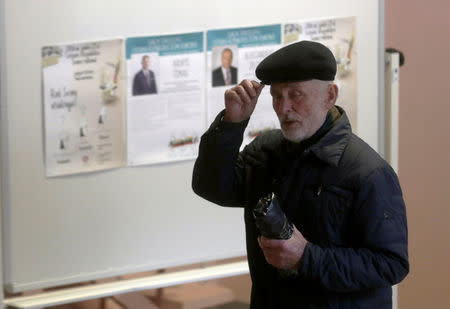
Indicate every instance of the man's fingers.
{"type": "Point", "coordinates": [249, 88]}
{"type": "Point", "coordinates": [240, 101]}
{"type": "Point", "coordinates": [283, 254]}
{"type": "Point", "coordinates": [258, 87]}
{"type": "Point", "coordinates": [267, 243]}
{"type": "Point", "coordinates": [258, 90]}
{"type": "Point", "coordinates": [232, 95]}
{"type": "Point", "coordinates": [242, 94]}
{"type": "Point", "coordinates": [271, 254]}
{"type": "Point", "coordinates": [264, 242]}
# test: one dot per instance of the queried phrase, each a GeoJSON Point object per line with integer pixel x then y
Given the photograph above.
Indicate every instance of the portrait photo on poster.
{"type": "Point", "coordinates": [224, 65]}
{"type": "Point", "coordinates": [143, 74]}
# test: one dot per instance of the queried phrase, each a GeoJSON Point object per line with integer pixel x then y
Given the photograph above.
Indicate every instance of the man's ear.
{"type": "Point", "coordinates": [332, 95]}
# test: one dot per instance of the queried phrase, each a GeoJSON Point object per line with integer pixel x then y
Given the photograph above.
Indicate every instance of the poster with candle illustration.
{"type": "Point", "coordinates": [84, 110]}
{"type": "Point", "coordinates": [338, 34]}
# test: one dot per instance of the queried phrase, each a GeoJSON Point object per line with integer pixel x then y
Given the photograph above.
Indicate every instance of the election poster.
{"type": "Point", "coordinates": [165, 97]}
{"type": "Point", "coordinates": [233, 55]}
{"type": "Point", "coordinates": [83, 97]}
{"type": "Point", "coordinates": [338, 34]}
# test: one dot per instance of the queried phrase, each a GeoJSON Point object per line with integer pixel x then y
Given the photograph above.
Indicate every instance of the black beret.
{"type": "Point", "coordinates": [301, 61]}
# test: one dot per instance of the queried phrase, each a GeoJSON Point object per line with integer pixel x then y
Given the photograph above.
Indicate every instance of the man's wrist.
{"type": "Point", "coordinates": [220, 123]}
{"type": "Point", "coordinates": [229, 120]}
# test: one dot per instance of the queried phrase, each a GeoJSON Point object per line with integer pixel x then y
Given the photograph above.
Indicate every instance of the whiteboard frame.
{"type": "Point", "coordinates": [5, 197]}
{"type": "Point", "coordinates": [100, 290]}
{"type": "Point", "coordinates": [392, 81]}
{"type": "Point", "coordinates": [2, 138]}
{"type": "Point", "coordinates": [381, 68]}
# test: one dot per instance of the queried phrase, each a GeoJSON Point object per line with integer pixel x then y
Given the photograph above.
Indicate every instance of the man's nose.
{"type": "Point", "coordinates": [283, 106]}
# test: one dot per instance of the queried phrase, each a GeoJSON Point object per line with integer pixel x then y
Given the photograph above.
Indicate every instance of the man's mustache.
{"type": "Point", "coordinates": [286, 118]}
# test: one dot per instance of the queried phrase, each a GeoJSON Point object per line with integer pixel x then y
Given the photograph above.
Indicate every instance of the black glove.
{"type": "Point", "coordinates": [270, 218]}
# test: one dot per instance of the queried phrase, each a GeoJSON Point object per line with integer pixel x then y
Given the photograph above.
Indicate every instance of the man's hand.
{"type": "Point", "coordinates": [240, 101]}
{"type": "Point", "coordinates": [284, 254]}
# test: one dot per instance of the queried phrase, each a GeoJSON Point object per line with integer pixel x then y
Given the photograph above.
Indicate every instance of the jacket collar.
{"type": "Point", "coordinates": [331, 146]}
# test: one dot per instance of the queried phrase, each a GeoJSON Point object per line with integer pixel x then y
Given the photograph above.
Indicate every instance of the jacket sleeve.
{"type": "Point", "coordinates": [218, 174]}
{"type": "Point", "coordinates": [379, 256]}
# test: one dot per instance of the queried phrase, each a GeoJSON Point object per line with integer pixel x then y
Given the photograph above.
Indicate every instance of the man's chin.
{"type": "Point", "coordinates": [294, 137]}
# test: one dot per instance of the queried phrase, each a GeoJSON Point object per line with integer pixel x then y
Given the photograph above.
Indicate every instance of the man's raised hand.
{"type": "Point", "coordinates": [240, 101]}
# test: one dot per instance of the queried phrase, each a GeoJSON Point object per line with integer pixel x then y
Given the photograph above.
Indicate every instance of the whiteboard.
{"type": "Point", "coordinates": [70, 229]}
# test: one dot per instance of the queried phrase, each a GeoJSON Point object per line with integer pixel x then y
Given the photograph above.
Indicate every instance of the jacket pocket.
{"type": "Point", "coordinates": [333, 213]}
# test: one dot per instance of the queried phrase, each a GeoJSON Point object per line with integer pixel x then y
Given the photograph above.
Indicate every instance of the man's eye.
{"type": "Point", "coordinates": [296, 94]}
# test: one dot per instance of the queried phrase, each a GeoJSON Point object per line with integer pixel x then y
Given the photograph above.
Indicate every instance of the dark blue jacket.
{"type": "Point", "coordinates": [340, 194]}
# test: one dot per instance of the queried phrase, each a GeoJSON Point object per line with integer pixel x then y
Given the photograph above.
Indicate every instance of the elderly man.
{"type": "Point", "coordinates": [349, 239]}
